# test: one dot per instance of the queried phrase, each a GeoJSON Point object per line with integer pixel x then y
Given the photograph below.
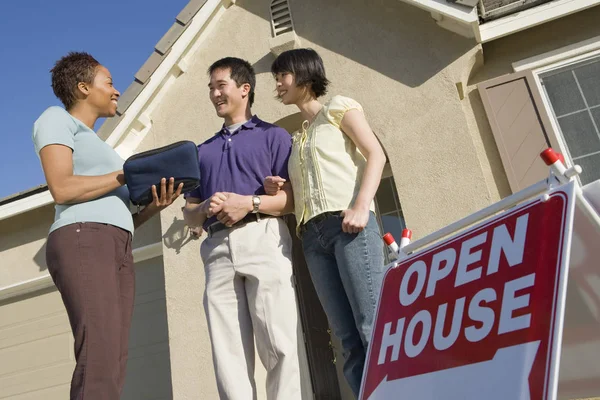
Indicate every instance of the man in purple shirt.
{"type": "Point", "coordinates": [247, 255]}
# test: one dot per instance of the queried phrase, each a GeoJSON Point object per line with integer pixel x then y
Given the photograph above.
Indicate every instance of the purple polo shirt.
{"type": "Point", "coordinates": [239, 162]}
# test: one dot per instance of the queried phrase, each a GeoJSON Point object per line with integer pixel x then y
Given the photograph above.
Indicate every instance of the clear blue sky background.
{"type": "Point", "coordinates": [120, 34]}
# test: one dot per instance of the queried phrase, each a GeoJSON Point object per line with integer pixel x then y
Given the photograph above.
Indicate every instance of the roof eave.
{"type": "Point", "coordinates": [464, 20]}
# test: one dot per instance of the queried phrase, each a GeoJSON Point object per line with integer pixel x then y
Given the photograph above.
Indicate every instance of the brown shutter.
{"type": "Point", "coordinates": [520, 124]}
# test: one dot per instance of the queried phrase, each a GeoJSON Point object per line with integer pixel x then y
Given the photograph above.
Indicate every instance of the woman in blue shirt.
{"type": "Point", "coordinates": [88, 252]}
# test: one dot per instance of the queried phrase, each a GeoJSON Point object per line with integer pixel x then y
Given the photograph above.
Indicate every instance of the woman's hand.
{"type": "Point", "coordinates": [355, 220]}
{"type": "Point", "coordinates": [167, 195]}
{"type": "Point", "coordinates": [273, 184]}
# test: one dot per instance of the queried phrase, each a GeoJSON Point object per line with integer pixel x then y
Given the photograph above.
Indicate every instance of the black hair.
{"type": "Point", "coordinates": [68, 72]}
{"type": "Point", "coordinates": [307, 67]}
{"type": "Point", "coordinates": [241, 72]}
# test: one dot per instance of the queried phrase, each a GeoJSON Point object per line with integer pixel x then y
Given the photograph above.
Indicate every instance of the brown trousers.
{"type": "Point", "coordinates": [92, 267]}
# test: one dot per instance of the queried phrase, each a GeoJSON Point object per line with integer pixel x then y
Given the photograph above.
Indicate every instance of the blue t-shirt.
{"type": "Point", "coordinates": [91, 157]}
{"type": "Point", "coordinates": [239, 162]}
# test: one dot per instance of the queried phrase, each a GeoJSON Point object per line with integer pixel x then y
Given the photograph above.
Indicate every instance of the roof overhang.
{"type": "Point", "coordinates": [464, 20]}
{"type": "Point", "coordinates": [25, 204]}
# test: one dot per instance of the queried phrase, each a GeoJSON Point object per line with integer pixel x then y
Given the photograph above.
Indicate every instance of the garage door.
{"type": "Point", "coordinates": [36, 346]}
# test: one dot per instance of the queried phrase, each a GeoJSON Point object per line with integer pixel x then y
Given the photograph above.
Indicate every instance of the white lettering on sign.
{"type": "Point", "coordinates": [512, 248]}
{"type": "Point", "coordinates": [420, 269]}
{"type": "Point", "coordinates": [393, 340]}
{"type": "Point", "coordinates": [439, 341]}
{"type": "Point", "coordinates": [468, 258]}
{"type": "Point", "coordinates": [510, 303]}
{"type": "Point", "coordinates": [411, 348]}
{"type": "Point", "coordinates": [468, 269]}
{"type": "Point", "coordinates": [437, 273]}
{"type": "Point", "coordinates": [479, 313]}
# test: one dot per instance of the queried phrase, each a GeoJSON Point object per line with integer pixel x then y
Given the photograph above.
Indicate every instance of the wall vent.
{"type": "Point", "coordinates": [281, 17]}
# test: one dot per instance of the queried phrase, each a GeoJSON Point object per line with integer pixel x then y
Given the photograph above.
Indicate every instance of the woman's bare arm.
{"type": "Point", "coordinates": [66, 188]}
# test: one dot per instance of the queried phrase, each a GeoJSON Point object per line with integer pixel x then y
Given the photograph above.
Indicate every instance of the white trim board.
{"type": "Point", "coordinates": [26, 204]}
{"type": "Point", "coordinates": [45, 281]}
{"type": "Point", "coordinates": [568, 53]}
{"type": "Point", "coordinates": [457, 18]}
{"type": "Point", "coordinates": [457, 12]}
{"type": "Point", "coordinates": [532, 17]}
{"type": "Point", "coordinates": [465, 20]}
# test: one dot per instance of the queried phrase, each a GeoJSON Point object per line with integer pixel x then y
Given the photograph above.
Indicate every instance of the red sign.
{"type": "Point", "coordinates": [479, 315]}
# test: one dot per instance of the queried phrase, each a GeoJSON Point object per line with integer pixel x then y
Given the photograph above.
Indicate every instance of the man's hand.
{"type": "Point", "coordinates": [212, 206]}
{"type": "Point", "coordinates": [273, 184]}
{"type": "Point", "coordinates": [355, 220]}
{"type": "Point", "coordinates": [233, 209]}
{"type": "Point", "coordinates": [195, 231]}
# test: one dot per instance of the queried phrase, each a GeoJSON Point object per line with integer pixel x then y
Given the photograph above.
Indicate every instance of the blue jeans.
{"type": "Point", "coordinates": [347, 270]}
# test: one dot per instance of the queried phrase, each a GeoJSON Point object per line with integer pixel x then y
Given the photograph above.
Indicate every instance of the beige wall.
{"type": "Point", "coordinates": [389, 56]}
{"type": "Point", "coordinates": [36, 344]}
{"type": "Point", "coordinates": [23, 244]}
{"type": "Point", "coordinates": [402, 67]}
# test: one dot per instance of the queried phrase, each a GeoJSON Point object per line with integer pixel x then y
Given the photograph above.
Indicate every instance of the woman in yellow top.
{"type": "Point", "coordinates": [335, 168]}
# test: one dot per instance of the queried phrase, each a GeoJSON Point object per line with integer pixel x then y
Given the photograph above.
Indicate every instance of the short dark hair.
{"type": "Point", "coordinates": [241, 72]}
{"type": "Point", "coordinates": [307, 67]}
{"type": "Point", "coordinates": [71, 69]}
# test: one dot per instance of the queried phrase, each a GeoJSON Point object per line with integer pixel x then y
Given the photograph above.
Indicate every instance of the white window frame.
{"type": "Point", "coordinates": [553, 60]}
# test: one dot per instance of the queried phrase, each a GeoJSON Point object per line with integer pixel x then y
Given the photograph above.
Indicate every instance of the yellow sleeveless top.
{"type": "Point", "coordinates": [325, 166]}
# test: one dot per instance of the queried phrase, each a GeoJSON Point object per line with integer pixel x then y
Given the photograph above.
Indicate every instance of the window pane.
{"type": "Point", "coordinates": [580, 134]}
{"type": "Point", "coordinates": [591, 168]}
{"type": "Point", "coordinates": [563, 93]}
{"type": "Point", "coordinates": [589, 80]}
{"type": "Point", "coordinates": [385, 196]}
{"type": "Point", "coordinates": [596, 115]}
{"type": "Point", "coordinates": [394, 224]}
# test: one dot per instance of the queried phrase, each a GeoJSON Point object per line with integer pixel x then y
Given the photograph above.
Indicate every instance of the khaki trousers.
{"type": "Point", "coordinates": [250, 296]}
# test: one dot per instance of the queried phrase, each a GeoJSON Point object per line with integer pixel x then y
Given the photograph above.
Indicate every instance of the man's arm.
{"type": "Point", "coordinates": [194, 213]}
{"type": "Point", "coordinates": [236, 206]}
{"type": "Point", "coordinates": [281, 203]}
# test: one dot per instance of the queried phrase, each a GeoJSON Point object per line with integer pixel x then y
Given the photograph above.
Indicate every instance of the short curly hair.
{"type": "Point", "coordinates": [71, 69]}
{"type": "Point", "coordinates": [307, 67]}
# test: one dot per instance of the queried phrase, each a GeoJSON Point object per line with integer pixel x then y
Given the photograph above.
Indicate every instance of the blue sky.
{"type": "Point", "coordinates": [35, 33]}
